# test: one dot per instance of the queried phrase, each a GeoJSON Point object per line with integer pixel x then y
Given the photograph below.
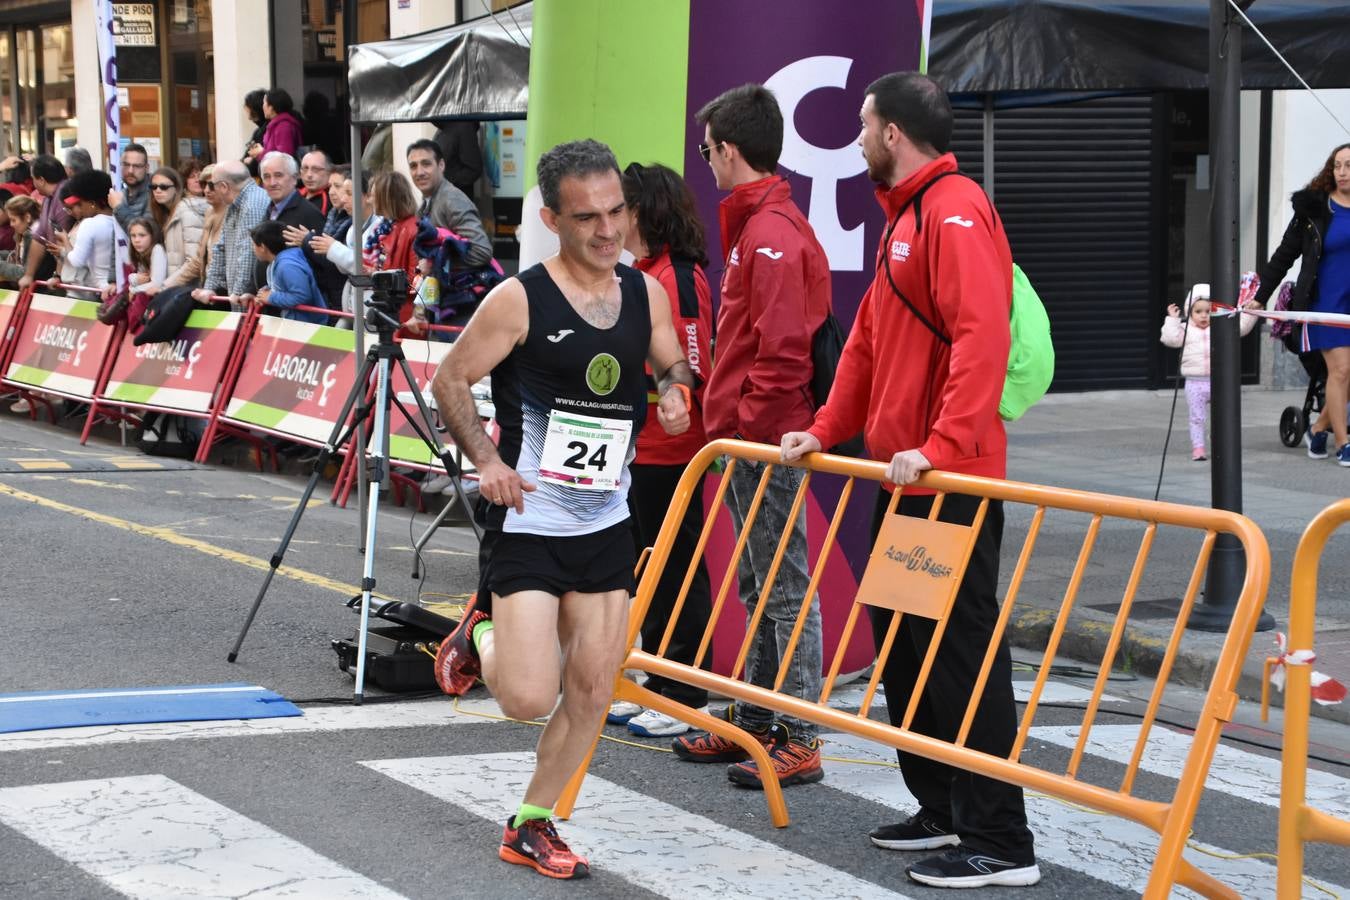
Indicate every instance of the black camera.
{"type": "Point", "coordinates": [390, 283]}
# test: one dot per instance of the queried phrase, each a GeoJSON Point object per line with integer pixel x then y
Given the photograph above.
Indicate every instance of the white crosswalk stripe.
{"type": "Point", "coordinates": [148, 836]}
{"type": "Point", "coordinates": [1100, 846]}
{"type": "Point", "coordinates": [682, 855]}
{"type": "Point", "coordinates": [1247, 776]}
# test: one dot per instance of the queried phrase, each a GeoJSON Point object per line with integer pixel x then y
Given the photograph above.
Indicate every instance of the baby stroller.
{"type": "Point", "coordinates": [1294, 421]}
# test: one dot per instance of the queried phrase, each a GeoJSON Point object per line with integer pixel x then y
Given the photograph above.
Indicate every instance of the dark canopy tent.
{"type": "Point", "coordinates": [994, 46]}
{"type": "Point", "coordinates": [477, 70]}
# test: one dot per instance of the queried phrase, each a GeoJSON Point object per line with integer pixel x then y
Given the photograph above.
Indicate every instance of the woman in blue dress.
{"type": "Point", "coordinates": [1320, 234]}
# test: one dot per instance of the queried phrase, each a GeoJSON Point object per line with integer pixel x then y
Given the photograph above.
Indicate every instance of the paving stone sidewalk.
{"type": "Point", "coordinates": [1112, 442]}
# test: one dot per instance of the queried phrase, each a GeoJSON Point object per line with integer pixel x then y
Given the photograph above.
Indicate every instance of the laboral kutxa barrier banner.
{"type": "Point", "coordinates": [181, 374]}
{"type": "Point", "coordinates": [615, 84]}
{"type": "Point", "coordinates": [9, 306]}
{"type": "Point", "coordinates": [423, 358]}
{"type": "Point", "coordinates": [294, 379]}
{"type": "Point", "coordinates": [61, 347]}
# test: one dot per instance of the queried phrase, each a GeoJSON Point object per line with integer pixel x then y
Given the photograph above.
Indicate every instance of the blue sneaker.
{"type": "Point", "coordinates": [1317, 444]}
{"type": "Point", "coordinates": [1343, 455]}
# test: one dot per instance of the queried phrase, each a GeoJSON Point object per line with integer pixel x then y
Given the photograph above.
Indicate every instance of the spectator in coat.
{"type": "Point", "coordinates": [49, 177]}
{"type": "Point", "coordinates": [233, 269]}
{"type": "Point", "coordinates": [315, 168]}
{"type": "Point", "coordinates": [284, 132]}
{"type": "Point", "coordinates": [444, 204]}
{"type": "Point", "coordinates": [179, 217]}
{"type": "Point", "coordinates": [290, 280]}
{"type": "Point", "coordinates": [253, 147]}
{"type": "Point", "coordinates": [194, 267]}
{"type": "Point", "coordinates": [133, 200]}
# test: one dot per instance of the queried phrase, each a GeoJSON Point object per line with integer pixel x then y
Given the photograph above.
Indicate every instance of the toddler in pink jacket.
{"type": "Point", "coordinates": [1192, 337]}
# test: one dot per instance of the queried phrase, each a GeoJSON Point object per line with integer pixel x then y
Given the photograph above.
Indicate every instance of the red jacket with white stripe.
{"type": "Point", "coordinates": [775, 295]}
{"type": "Point", "coordinates": [896, 380]}
{"type": "Point", "coordinates": [691, 309]}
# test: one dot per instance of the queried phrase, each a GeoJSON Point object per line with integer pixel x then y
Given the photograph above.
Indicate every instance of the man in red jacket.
{"type": "Point", "coordinates": [775, 295]}
{"type": "Point", "coordinates": [939, 303]}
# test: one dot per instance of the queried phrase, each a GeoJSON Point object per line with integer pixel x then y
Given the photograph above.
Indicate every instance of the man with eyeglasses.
{"type": "Point", "coordinates": [133, 201]}
{"type": "Point", "coordinates": [775, 296]}
{"type": "Point", "coordinates": [315, 167]}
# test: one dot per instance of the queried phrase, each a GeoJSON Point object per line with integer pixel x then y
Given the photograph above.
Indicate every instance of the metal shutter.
{"type": "Point", "coordinates": [1079, 188]}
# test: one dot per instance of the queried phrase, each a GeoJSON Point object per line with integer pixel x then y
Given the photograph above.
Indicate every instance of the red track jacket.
{"type": "Point", "coordinates": [775, 295]}
{"type": "Point", "coordinates": [896, 380]}
{"type": "Point", "coordinates": [691, 310]}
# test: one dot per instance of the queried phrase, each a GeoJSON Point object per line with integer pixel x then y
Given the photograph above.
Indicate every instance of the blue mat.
{"type": "Point", "coordinates": [123, 706]}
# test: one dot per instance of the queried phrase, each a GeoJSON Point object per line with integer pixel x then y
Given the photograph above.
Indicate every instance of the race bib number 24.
{"type": "Point", "coordinates": [585, 452]}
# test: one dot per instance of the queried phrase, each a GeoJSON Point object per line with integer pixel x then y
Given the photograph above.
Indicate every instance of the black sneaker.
{"type": "Point", "coordinates": [961, 867]}
{"type": "Point", "coordinates": [920, 832]}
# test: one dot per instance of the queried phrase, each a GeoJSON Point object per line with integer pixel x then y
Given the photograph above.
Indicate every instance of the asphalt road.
{"type": "Point", "coordinates": [119, 576]}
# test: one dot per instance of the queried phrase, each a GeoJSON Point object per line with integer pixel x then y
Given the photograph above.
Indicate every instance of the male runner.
{"type": "Point", "coordinates": [565, 342]}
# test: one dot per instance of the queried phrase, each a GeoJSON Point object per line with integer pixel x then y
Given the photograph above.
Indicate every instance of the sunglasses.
{"type": "Point", "coordinates": [161, 187]}
{"type": "Point", "coordinates": [705, 150]}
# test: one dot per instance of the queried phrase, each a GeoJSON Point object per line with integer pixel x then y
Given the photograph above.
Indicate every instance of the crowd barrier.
{"type": "Point", "coordinates": [1299, 822]}
{"type": "Point", "coordinates": [246, 375]}
{"type": "Point", "coordinates": [929, 591]}
{"type": "Point", "coordinates": [60, 348]}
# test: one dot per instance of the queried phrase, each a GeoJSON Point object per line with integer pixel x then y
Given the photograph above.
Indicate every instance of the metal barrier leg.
{"type": "Point", "coordinates": [635, 693]}
{"type": "Point", "coordinates": [1200, 882]}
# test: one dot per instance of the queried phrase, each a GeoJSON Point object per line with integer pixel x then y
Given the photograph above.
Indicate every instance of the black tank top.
{"type": "Point", "coordinates": [570, 374]}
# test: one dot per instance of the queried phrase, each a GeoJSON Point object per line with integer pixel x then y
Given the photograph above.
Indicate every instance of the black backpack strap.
{"type": "Point", "coordinates": [883, 263]}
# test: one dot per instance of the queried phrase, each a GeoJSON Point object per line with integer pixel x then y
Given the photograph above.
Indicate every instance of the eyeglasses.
{"type": "Point", "coordinates": [162, 187]}
{"type": "Point", "coordinates": [705, 150]}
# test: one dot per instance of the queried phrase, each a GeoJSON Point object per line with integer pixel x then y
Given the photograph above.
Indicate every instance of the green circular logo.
{"type": "Point", "coordinates": [602, 375]}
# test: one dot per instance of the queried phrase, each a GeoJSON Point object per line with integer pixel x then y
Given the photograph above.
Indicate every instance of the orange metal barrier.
{"type": "Point", "coordinates": [1299, 822]}
{"type": "Point", "coordinates": [1171, 818]}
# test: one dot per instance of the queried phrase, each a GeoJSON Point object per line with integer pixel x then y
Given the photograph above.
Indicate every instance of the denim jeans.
{"type": "Point", "coordinates": [784, 601]}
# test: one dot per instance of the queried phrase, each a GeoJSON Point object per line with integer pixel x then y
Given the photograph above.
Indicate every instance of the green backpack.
{"type": "Point", "coordinates": [1031, 354]}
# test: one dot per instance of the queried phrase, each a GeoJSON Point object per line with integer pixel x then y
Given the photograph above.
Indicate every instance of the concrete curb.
{"type": "Point", "coordinates": [1143, 648]}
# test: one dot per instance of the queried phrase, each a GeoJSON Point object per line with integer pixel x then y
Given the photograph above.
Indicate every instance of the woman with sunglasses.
{"type": "Point", "coordinates": [667, 239]}
{"type": "Point", "coordinates": [178, 215]}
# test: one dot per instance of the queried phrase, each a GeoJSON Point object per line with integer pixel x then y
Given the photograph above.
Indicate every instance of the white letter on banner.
{"type": "Point", "coordinates": [329, 379]}
{"type": "Point", "coordinates": [825, 167]}
{"type": "Point", "coordinates": [194, 356]}
{"type": "Point", "coordinates": [80, 345]}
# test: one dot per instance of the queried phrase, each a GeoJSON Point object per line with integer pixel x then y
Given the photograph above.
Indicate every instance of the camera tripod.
{"type": "Point", "coordinates": [380, 358]}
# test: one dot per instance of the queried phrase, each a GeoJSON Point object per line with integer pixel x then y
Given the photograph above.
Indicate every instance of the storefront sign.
{"type": "Point", "coordinates": [134, 24]}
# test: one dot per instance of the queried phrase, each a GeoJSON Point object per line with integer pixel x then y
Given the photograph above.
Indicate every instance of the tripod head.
{"type": "Point", "coordinates": [388, 291]}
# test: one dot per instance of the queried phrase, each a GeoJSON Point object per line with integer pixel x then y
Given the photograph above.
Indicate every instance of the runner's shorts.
{"type": "Point", "coordinates": [587, 563]}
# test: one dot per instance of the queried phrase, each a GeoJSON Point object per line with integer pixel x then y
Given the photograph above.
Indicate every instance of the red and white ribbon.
{"type": "Point", "coordinates": [1325, 689]}
{"type": "Point", "coordinates": [1335, 320]}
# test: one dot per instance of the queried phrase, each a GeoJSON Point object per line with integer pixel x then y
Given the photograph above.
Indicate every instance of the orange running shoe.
{"type": "Point", "coordinates": [793, 761]}
{"type": "Point", "coordinates": [536, 844]}
{"type": "Point", "coordinates": [706, 747]}
{"type": "Point", "coordinates": [457, 665]}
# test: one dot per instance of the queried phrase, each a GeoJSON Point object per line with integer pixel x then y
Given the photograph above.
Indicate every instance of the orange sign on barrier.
{"type": "Point", "coordinates": [922, 554]}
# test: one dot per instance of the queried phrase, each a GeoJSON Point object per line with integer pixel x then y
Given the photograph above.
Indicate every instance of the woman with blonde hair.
{"type": "Point", "coordinates": [390, 244]}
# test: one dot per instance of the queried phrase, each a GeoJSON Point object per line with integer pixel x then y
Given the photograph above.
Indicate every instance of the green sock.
{"type": "Point", "coordinates": [528, 812]}
{"type": "Point", "coordinates": [479, 630]}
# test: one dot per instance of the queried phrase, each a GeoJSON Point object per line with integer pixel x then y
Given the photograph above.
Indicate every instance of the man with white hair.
{"type": "Point", "coordinates": [289, 207]}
